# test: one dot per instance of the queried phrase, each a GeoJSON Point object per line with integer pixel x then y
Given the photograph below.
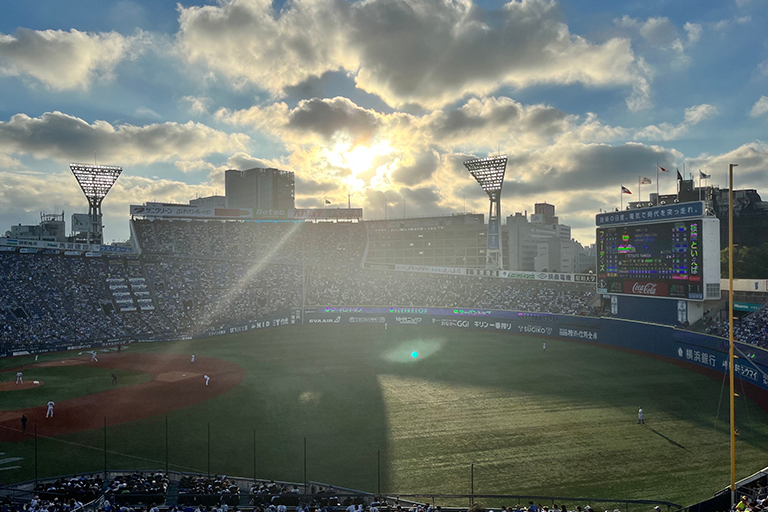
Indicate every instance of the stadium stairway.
{"type": "Point", "coordinates": [153, 294]}
{"type": "Point", "coordinates": [172, 494]}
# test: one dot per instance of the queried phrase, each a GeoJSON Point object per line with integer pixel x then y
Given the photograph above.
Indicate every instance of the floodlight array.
{"type": "Point", "coordinates": [95, 180]}
{"type": "Point", "coordinates": [489, 173]}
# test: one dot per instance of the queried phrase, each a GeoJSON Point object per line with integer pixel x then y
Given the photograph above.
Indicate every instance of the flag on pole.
{"type": "Point", "coordinates": [645, 181]}
{"type": "Point", "coordinates": [327, 202]}
{"type": "Point", "coordinates": [625, 190]}
{"type": "Point", "coordinates": [679, 176]}
{"type": "Point", "coordinates": [661, 168]}
{"type": "Point", "coordinates": [704, 176]}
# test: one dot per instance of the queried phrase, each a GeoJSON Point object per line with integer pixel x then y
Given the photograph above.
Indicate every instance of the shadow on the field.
{"type": "Point", "coordinates": [672, 441]}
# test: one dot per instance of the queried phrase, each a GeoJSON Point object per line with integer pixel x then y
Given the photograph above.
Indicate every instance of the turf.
{"type": "Point", "coordinates": [556, 422]}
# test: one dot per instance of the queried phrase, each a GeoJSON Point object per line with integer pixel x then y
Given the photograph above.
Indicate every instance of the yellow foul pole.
{"type": "Point", "coordinates": [730, 333]}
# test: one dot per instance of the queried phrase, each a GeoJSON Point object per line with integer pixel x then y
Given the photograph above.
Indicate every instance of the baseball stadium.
{"type": "Point", "coordinates": [254, 355]}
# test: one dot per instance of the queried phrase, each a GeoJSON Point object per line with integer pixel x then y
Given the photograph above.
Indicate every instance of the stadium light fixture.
{"type": "Point", "coordinates": [96, 182]}
{"type": "Point", "coordinates": [489, 173]}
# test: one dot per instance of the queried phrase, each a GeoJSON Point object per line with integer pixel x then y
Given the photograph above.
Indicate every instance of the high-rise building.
{"type": "Point", "coordinates": [264, 190]}
{"type": "Point", "coordinates": [543, 244]}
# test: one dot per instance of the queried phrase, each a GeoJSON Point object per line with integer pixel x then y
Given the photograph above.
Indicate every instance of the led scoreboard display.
{"type": "Point", "coordinates": [668, 252]}
{"type": "Point", "coordinates": [662, 260]}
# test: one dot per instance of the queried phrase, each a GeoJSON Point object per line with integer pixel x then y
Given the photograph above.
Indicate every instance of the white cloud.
{"type": "Point", "coordinates": [693, 30]}
{"type": "Point", "coordinates": [65, 138]}
{"type": "Point", "coordinates": [417, 51]}
{"type": "Point", "coordinates": [752, 159]}
{"type": "Point", "coordinates": [63, 60]}
{"type": "Point", "coordinates": [666, 131]}
{"type": "Point", "coordinates": [760, 107]}
{"type": "Point", "coordinates": [659, 41]}
{"type": "Point", "coordinates": [196, 105]}
{"type": "Point", "coordinates": [146, 112]}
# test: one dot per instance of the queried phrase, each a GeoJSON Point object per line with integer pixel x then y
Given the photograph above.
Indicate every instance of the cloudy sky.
{"type": "Point", "coordinates": [381, 99]}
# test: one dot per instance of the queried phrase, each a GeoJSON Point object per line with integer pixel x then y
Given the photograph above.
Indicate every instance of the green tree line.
{"type": "Point", "coordinates": [748, 262]}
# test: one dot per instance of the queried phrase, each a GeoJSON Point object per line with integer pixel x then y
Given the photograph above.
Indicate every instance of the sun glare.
{"type": "Point", "coordinates": [357, 158]}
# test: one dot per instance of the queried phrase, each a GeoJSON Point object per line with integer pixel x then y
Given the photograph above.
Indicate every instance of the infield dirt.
{"type": "Point", "coordinates": [176, 383]}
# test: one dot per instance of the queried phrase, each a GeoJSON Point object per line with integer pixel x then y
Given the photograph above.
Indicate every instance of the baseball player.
{"type": "Point", "coordinates": [94, 359]}
{"type": "Point", "coordinates": [640, 416]}
{"type": "Point", "coordinates": [49, 413]}
{"type": "Point", "coordinates": [193, 358]}
{"type": "Point", "coordinates": [207, 378]}
{"type": "Point", "coordinates": [19, 377]}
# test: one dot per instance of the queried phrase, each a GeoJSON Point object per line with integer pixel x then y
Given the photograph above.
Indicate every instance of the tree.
{"type": "Point", "coordinates": [748, 262]}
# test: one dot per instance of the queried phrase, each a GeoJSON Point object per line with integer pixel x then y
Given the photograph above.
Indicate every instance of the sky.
{"type": "Point", "coordinates": [380, 101]}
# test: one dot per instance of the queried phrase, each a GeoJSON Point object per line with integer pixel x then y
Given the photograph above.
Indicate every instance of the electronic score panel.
{"type": "Point", "coordinates": [663, 259]}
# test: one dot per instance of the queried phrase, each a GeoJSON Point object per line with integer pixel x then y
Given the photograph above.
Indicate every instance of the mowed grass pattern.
{"type": "Point", "coordinates": [556, 422]}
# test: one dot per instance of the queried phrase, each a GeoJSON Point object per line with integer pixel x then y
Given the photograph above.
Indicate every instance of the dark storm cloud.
{"type": "Point", "coordinates": [422, 169]}
{"type": "Point", "coordinates": [592, 167]}
{"type": "Point", "coordinates": [489, 113]}
{"type": "Point", "coordinates": [327, 117]}
{"type": "Point", "coordinates": [63, 137]}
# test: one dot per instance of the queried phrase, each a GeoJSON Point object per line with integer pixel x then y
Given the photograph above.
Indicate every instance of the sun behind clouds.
{"type": "Point", "coordinates": [359, 159]}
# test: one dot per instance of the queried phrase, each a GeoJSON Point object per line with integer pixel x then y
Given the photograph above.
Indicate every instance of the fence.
{"type": "Point", "coordinates": [309, 493]}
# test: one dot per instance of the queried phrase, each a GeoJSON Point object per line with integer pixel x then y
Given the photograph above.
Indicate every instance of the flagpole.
{"type": "Point", "coordinates": [639, 190]}
{"type": "Point", "coordinates": [657, 184]}
{"type": "Point", "coordinates": [621, 198]}
{"type": "Point", "coordinates": [699, 184]}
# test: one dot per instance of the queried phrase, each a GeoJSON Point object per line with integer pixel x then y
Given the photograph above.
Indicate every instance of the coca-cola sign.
{"type": "Point", "coordinates": [649, 288]}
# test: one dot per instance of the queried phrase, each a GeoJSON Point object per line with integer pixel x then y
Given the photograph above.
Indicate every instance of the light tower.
{"type": "Point", "coordinates": [489, 173]}
{"type": "Point", "coordinates": [96, 181]}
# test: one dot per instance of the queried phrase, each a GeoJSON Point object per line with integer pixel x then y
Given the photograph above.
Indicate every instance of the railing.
{"type": "Point", "coordinates": [311, 492]}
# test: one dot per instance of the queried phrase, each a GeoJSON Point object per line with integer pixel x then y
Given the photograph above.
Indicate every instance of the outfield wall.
{"type": "Point", "coordinates": [700, 351]}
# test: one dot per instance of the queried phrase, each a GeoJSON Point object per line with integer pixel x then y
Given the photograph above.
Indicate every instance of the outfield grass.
{"type": "Point", "coordinates": [556, 422]}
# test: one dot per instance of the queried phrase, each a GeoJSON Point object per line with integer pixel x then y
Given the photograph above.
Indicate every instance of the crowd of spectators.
{"type": "Point", "coordinates": [197, 295]}
{"type": "Point", "coordinates": [146, 487]}
{"type": "Point", "coordinates": [752, 329]}
{"type": "Point", "coordinates": [208, 491]}
{"type": "Point", "coordinates": [361, 287]}
{"type": "Point", "coordinates": [79, 488]}
{"type": "Point", "coordinates": [329, 244]}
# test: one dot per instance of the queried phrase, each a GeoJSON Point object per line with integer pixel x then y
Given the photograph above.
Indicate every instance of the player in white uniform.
{"type": "Point", "coordinates": [93, 357]}
{"type": "Point", "coordinates": [49, 413]}
{"type": "Point", "coordinates": [193, 358]}
{"type": "Point", "coordinates": [207, 378]}
{"type": "Point", "coordinates": [640, 416]}
{"type": "Point", "coordinates": [544, 345]}
{"type": "Point", "coordinates": [19, 377]}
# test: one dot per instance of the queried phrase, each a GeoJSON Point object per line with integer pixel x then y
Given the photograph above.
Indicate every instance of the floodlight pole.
{"type": "Point", "coordinates": [489, 174]}
{"type": "Point", "coordinates": [730, 333]}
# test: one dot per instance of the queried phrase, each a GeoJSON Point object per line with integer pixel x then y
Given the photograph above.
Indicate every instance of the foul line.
{"type": "Point", "coordinates": [72, 443]}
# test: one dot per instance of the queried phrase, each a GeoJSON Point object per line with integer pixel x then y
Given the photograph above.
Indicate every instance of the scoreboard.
{"type": "Point", "coordinates": [675, 257]}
